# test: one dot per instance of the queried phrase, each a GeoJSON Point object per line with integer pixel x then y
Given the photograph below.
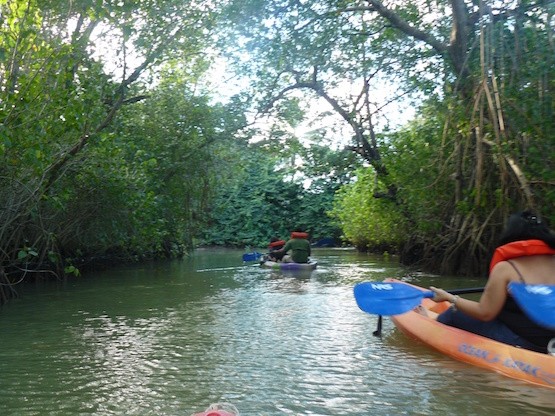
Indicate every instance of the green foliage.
{"type": "Point", "coordinates": [270, 198]}
{"type": "Point", "coordinates": [251, 208]}
{"type": "Point", "coordinates": [369, 223]}
{"type": "Point", "coordinates": [144, 189]}
{"type": "Point", "coordinates": [416, 163]}
{"type": "Point", "coordinates": [103, 154]}
{"type": "Point", "coordinates": [482, 143]}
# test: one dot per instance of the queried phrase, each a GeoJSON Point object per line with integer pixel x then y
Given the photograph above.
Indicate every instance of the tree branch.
{"type": "Point", "coordinates": [406, 28]}
{"type": "Point", "coordinates": [53, 170]}
{"type": "Point", "coordinates": [519, 174]}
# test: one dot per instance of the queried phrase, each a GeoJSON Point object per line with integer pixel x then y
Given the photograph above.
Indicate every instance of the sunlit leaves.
{"type": "Point", "coordinates": [367, 222]}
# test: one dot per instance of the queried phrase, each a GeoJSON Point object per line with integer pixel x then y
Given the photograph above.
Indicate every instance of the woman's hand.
{"type": "Point", "coordinates": [440, 295]}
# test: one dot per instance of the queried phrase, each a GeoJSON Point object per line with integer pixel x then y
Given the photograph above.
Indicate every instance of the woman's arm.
{"type": "Point", "coordinates": [491, 301]}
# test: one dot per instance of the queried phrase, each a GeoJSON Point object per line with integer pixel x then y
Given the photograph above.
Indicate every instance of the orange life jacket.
{"type": "Point", "coordinates": [519, 249]}
{"type": "Point", "coordinates": [277, 243]}
{"type": "Point", "coordinates": [297, 234]}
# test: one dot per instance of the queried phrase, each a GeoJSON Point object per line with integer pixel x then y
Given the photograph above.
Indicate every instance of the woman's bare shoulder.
{"type": "Point", "coordinates": [533, 269]}
{"type": "Point", "coordinates": [503, 267]}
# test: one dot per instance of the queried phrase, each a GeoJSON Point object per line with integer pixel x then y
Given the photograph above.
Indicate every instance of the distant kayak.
{"type": "Point", "coordinates": [278, 265]}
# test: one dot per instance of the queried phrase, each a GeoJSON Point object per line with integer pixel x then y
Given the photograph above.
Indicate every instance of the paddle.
{"type": "Point", "coordinates": [252, 256]}
{"type": "Point", "coordinates": [538, 301]}
{"type": "Point", "coordinates": [394, 298]}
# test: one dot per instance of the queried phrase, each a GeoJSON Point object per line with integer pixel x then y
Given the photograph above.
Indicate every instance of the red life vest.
{"type": "Point", "coordinates": [519, 249]}
{"type": "Point", "coordinates": [297, 234]}
{"type": "Point", "coordinates": [277, 243]}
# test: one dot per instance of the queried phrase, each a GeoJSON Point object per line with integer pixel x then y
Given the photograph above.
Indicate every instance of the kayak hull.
{"type": "Point", "coordinates": [219, 409]}
{"type": "Point", "coordinates": [288, 266]}
{"type": "Point", "coordinates": [517, 363]}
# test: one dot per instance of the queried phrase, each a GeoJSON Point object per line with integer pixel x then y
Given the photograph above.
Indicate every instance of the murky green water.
{"type": "Point", "coordinates": [172, 338]}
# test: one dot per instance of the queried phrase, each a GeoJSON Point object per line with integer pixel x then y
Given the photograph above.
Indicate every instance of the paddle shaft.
{"type": "Point", "coordinates": [430, 294]}
{"type": "Point", "coordinates": [463, 291]}
{"type": "Point", "coordinates": [466, 290]}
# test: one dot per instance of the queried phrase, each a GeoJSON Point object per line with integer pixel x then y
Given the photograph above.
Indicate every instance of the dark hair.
{"type": "Point", "coordinates": [527, 225]}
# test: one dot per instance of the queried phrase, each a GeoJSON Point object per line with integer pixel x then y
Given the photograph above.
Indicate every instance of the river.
{"type": "Point", "coordinates": [171, 338]}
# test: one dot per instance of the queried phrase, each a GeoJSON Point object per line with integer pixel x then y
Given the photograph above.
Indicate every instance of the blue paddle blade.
{"type": "Point", "coordinates": [388, 298]}
{"type": "Point", "coordinates": [251, 256]}
{"type": "Point", "coordinates": [537, 301]}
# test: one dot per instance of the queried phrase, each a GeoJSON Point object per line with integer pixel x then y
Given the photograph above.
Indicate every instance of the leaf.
{"type": "Point", "coordinates": [72, 270]}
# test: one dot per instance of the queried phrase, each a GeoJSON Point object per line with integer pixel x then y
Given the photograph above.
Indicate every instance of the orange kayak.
{"type": "Point", "coordinates": [518, 363]}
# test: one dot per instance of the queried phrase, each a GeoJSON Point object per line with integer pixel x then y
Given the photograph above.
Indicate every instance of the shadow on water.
{"type": "Point", "coordinates": [171, 338]}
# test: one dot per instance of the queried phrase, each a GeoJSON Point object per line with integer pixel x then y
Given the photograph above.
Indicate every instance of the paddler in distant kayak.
{"type": "Point", "coordinates": [526, 253]}
{"type": "Point", "coordinates": [274, 249]}
{"type": "Point", "coordinates": [299, 246]}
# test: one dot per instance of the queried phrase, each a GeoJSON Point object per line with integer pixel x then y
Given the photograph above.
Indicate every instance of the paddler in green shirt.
{"type": "Point", "coordinates": [299, 246]}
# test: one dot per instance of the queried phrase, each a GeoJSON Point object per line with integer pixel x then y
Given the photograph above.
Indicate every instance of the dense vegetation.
{"type": "Point", "coordinates": [118, 142]}
{"type": "Point", "coordinates": [270, 197]}
{"type": "Point", "coordinates": [95, 138]}
{"type": "Point", "coordinates": [481, 76]}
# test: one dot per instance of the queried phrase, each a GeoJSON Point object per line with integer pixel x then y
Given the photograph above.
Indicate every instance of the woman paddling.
{"type": "Point", "coordinates": [526, 253]}
{"type": "Point", "coordinates": [274, 248]}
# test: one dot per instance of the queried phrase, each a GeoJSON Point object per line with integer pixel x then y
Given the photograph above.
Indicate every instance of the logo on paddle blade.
{"type": "Point", "coordinates": [538, 290]}
{"type": "Point", "coordinates": [382, 286]}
